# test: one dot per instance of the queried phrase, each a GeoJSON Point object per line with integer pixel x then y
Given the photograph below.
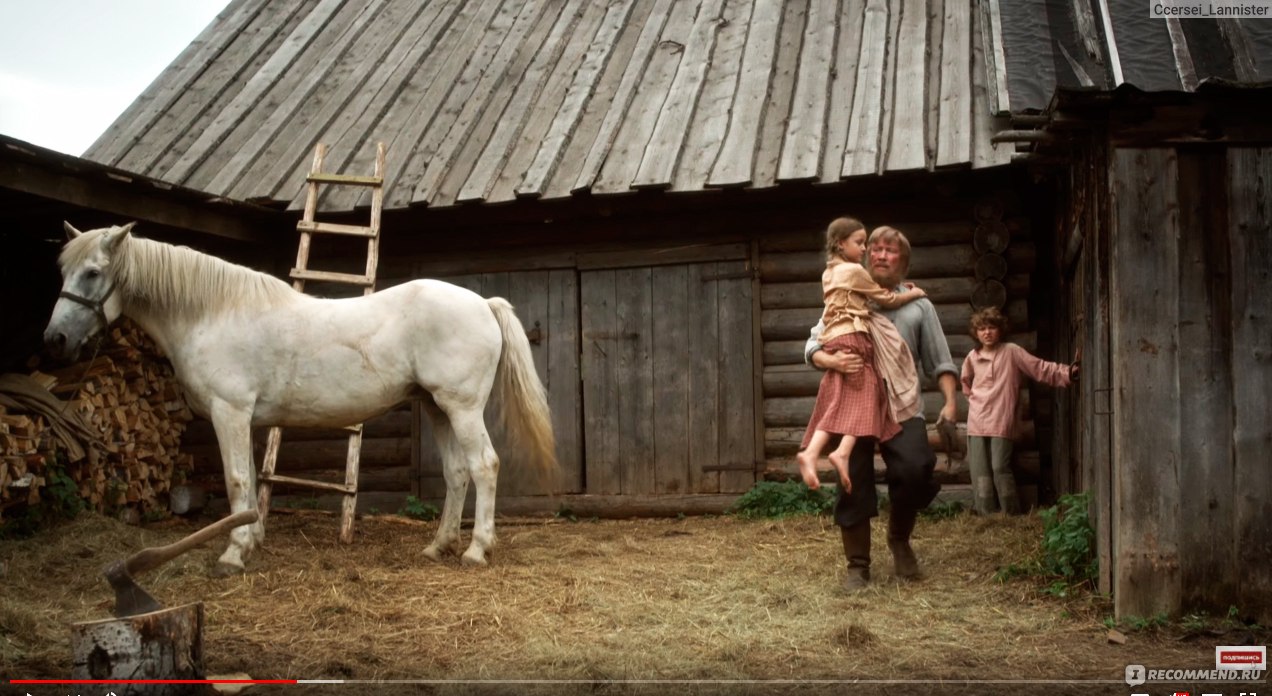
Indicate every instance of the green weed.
{"type": "Point", "coordinates": [1068, 562]}
{"type": "Point", "coordinates": [417, 509]}
{"type": "Point", "coordinates": [773, 500]}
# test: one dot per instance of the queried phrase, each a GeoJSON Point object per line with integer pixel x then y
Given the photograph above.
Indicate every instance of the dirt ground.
{"type": "Point", "coordinates": [692, 605]}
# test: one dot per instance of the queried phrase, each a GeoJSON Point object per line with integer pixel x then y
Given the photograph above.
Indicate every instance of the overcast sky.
{"type": "Point", "coordinates": [69, 67]}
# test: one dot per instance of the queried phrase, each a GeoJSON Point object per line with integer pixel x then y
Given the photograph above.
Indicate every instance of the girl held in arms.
{"type": "Point", "coordinates": [863, 403]}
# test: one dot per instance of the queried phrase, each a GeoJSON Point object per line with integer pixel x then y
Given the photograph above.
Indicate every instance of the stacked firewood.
{"type": "Point", "coordinates": [121, 412]}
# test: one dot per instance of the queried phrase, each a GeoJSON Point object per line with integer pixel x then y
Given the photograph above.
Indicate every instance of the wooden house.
{"type": "Point", "coordinates": [1161, 151]}
{"type": "Point", "coordinates": [648, 181]}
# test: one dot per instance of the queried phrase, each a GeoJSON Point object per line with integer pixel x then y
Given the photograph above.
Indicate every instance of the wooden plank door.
{"type": "Point", "coordinates": [667, 367]}
{"type": "Point", "coordinates": [546, 302]}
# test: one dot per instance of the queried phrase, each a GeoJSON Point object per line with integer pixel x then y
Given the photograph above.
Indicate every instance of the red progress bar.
{"type": "Point", "coordinates": [152, 681]}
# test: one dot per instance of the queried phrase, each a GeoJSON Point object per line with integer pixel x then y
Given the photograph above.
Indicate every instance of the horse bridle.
{"type": "Point", "coordinates": [98, 306]}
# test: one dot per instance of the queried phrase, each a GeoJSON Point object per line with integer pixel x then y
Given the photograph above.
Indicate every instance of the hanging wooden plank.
{"type": "Point", "coordinates": [249, 98]}
{"type": "Point", "coordinates": [954, 139]}
{"type": "Point", "coordinates": [861, 153]}
{"type": "Point", "coordinates": [738, 457]}
{"type": "Point", "coordinates": [1144, 297]}
{"type": "Point", "coordinates": [525, 83]}
{"type": "Point", "coordinates": [1095, 378]}
{"type": "Point", "coordinates": [582, 87]}
{"type": "Point", "coordinates": [908, 82]}
{"type": "Point", "coordinates": [1208, 577]}
{"type": "Point", "coordinates": [991, 26]}
{"type": "Point", "coordinates": [1249, 222]}
{"type": "Point", "coordinates": [703, 349]}
{"type": "Point", "coordinates": [843, 82]}
{"type": "Point", "coordinates": [806, 126]}
{"type": "Point", "coordinates": [561, 338]}
{"type": "Point", "coordinates": [625, 156]}
{"type": "Point", "coordinates": [935, 57]}
{"type": "Point", "coordinates": [737, 152]}
{"type": "Point", "coordinates": [634, 377]}
{"type": "Point", "coordinates": [486, 75]}
{"type": "Point", "coordinates": [663, 151]}
{"type": "Point", "coordinates": [710, 123]}
{"type": "Point", "coordinates": [294, 97]}
{"type": "Point", "coordinates": [137, 121]}
{"type": "Point", "coordinates": [673, 401]}
{"type": "Point", "coordinates": [600, 382]}
{"type": "Point", "coordinates": [778, 106]}
{"type": "Point", "coordinates": [633, 75]}
{"type": "Point", "coordinates": [984, 152]}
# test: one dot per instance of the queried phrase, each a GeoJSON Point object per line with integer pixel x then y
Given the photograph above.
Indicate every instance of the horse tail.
{"type": "Point", "coordinates": [523, 402]}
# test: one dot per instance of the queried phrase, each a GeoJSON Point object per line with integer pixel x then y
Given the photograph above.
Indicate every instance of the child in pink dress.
{"type": "Point", "coordinates": [992, 377]}
{"type": "Point", "coordinates": [860, 404]}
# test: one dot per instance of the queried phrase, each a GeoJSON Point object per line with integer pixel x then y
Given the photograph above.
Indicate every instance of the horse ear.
{"type": "Point", "coordinates": [113, 238]}
{"type": "Point", "coordinates": [71, 232]}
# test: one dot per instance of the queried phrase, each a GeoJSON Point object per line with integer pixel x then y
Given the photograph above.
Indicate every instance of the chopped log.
{"type": "Point", "coordinates": [122, 408]}
{"type": "Point", "coordinates": [991, 237]}
{"type": "Point", "coordinates": [163, 644]}
{"type": "Point", "coordinates": [989, 293]}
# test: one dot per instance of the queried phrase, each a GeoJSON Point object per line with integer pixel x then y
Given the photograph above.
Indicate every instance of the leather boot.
{"type": "Point", "coordinates": [900, 526]}
{"type": "Point", "coordinates": [857, 553]}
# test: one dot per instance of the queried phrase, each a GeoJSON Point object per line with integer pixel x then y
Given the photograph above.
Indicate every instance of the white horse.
{"type": "Point", "coordinates": [251, 351]}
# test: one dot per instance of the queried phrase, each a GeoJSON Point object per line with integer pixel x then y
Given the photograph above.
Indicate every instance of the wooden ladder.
{"type": "Point", "coordinates": [307, 228]}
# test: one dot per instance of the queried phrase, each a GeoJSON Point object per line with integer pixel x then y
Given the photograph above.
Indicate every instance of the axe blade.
{"type": "Point", "coordinates": [130, 598]}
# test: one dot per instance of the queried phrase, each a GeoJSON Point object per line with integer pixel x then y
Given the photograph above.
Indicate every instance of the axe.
{"type": "Point", "coordinates": [130, 598]}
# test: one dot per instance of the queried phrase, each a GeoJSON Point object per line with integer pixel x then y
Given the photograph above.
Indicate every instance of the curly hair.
{"type": "Point", "coordinates": [990, 316]}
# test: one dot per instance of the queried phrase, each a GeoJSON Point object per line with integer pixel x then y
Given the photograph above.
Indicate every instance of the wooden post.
{"type": "Point", "coordinates": [164, 644]}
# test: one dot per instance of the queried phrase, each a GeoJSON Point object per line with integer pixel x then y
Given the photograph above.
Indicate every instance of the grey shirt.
{"type": "Point", "coordinates": [920, 329]}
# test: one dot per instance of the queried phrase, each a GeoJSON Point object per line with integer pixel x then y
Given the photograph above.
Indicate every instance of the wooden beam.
{"type": "Point", "coordinates": [1144, 295]}
{"type": "Point", "coordinates": [139, 199]}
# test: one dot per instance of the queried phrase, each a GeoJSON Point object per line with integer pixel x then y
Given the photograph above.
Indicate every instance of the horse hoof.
{"type": "Point", "coordinates": [432, 554]}
{"type": "Point", "coordinates": [472, 559]}
{"type": "Point", "coordinates": [225, 570]}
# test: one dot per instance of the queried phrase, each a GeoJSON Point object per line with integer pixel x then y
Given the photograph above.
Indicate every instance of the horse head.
{"type": "Point", "coordinates": [88, 302]}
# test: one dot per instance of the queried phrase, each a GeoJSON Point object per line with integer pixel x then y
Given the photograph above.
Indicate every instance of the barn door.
{"type": "Point", "coordinates": [667, 367]}
{"type": "Point", "coordinates": [546, 302]}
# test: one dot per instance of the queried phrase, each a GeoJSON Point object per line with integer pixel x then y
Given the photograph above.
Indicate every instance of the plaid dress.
{"type": "Point", "coordinates": [855, 404]}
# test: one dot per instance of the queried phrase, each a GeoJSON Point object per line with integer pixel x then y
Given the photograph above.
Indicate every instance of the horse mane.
{"type": "Point", "coordinates": [178, 279]}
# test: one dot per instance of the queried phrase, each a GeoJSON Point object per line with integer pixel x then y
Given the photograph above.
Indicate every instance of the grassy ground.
{"type": "Point", "coordinates": [694, 605]}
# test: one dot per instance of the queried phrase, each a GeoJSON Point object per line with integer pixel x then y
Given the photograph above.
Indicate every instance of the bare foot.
{"type": "Point", "coordinates": [840, 462]}
{"type": "Point", "coordinates": [808, 469]}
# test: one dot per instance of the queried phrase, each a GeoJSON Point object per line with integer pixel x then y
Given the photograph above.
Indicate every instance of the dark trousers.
{"type": "Point", "coordinates": [909, 460]}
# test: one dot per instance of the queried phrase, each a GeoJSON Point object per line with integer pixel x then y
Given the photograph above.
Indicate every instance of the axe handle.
{"type": "Point", "coordinates": [147, 559]}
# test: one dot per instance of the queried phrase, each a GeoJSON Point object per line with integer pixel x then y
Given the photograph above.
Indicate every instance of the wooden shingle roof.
{"type": "Point", "coordinates": [495, 100]}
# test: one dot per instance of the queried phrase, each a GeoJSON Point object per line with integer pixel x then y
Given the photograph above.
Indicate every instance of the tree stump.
{"type": "Point", "coordinates": [164, 644]}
